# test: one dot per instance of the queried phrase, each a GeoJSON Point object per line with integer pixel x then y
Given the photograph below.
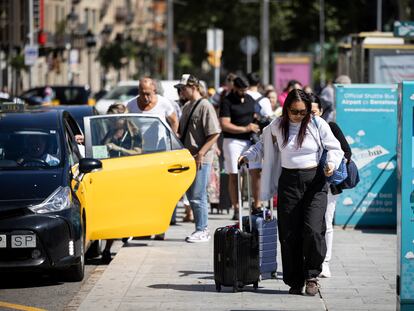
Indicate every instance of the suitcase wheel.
{"type": "Point", "coordinates": [235, 289]}
{"type": "Point", "coordinates": [218, 287]}
{"type": "Point", "coordinates": [273, 275]}
{"type": "Point", "coordinates": [256, 285]}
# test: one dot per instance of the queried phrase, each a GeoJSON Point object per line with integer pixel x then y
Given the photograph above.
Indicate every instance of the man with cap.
{"type": "Point", "coordinates": [199, 130]}
{"type": "Point", "coordinates": [236, 119]}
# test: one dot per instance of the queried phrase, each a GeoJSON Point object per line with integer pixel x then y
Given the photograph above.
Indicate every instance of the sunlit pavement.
{"type": "Point", "coordinates": [175, 275]}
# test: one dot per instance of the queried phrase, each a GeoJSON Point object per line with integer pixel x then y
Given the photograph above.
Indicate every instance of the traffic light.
{"type": "Point", "coordinates": [214, 58]}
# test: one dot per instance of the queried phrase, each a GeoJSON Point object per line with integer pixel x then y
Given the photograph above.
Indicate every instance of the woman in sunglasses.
{"type": "Point", "coordinates": [290, 148]}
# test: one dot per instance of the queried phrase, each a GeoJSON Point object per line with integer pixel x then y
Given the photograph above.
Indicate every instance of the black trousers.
{"type": "Point", "coordinates": [302, 200]}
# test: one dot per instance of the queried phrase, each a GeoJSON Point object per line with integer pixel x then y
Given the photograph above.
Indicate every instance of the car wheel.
{"type": "Point", "coordinates": [95, 250]}
{"type": "Point", "coordinates": [76, 272]}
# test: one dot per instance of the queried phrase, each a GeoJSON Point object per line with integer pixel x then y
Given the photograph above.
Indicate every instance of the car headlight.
{"type": "Point", "coordinates": [59, 200]}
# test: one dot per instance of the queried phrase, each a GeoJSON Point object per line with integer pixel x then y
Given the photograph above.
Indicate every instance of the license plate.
{"type": "Point", "coordinates": [3, 243]}
{"type": "Point", "coordinates": [23, 241]}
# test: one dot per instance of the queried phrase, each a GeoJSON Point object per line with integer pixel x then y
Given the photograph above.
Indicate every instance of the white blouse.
{"type": "Point", "coordinates": [307, 156]}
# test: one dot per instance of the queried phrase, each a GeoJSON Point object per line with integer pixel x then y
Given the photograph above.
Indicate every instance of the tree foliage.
{"type": "Point", "coordinates": [294, 26]}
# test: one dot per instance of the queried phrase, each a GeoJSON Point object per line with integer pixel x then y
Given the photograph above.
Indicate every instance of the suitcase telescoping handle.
{"type": "Point", "coordinates": [239, 194]}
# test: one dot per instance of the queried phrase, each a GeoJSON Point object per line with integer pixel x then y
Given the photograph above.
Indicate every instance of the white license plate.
{"type": "Point", "coordinates": [3, 240]}
{"type": "Point", "coordinates": [23, 241]}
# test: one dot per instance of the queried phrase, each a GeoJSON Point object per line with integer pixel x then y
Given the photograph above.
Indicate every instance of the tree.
{"type": "Point", "coordinates": [294, 26]}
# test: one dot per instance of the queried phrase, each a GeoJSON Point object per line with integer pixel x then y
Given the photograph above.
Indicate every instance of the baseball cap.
{"type": "Point", "coordinates": [187, 79]}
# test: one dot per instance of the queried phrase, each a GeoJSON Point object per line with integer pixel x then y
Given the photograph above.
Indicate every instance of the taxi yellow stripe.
{"type": "Point", "coordinates": [19, 307]}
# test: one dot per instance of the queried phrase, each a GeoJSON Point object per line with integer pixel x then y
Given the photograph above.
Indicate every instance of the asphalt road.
{"type": "Point", "coordinates": [26, 290]}
{"type": "Point", "coordinates": [43, 291]}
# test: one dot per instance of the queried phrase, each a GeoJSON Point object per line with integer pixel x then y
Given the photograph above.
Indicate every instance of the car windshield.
{"type": "Point", "coordinates": [122, 93]}
{"type": "Point", "coordinates": [29, 149]}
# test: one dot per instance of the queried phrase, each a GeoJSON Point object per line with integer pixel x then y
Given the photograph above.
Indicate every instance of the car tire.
{"type": "Point", "coordinates": [94, 250]}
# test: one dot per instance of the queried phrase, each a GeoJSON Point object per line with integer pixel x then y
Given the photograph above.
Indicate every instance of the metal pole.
{"type": "Point", "coordinates": [30, 37]}
{"type": "Point", "coordinates": [170, 40]}
{"type": "Point", "coordinates": [379, 15]}
{"type": "Point", "coordinates": [249, 56]}
{"type": "Point", "coordinates": [216, 68]}
{"type": "Point", "coordinates": [89, 68]}
{"type": "Point", "coordinates": [1, 69]}
{"type": "Point", "coordinates": [264, 48]}
{"type": "Point", "coordinates": [322, 41]}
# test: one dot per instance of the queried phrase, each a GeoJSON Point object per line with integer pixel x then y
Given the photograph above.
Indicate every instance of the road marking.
{"type": "Point", "coordinates": [19, 307]}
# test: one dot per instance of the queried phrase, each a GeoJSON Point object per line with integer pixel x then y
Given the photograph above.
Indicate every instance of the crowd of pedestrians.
{"type": "Point", "coordinates": [282, 137]}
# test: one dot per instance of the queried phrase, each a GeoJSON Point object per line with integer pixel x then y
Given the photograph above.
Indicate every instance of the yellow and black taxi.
{"type": "Point", "coordinates": [54, 202]}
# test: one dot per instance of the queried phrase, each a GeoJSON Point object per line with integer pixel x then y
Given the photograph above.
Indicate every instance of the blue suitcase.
{"type": "Point", "coordinates": [266, 226]}
{"type": "Point", "coordinates": [267, 237]}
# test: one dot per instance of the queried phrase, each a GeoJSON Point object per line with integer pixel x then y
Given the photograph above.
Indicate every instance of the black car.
{"type": "Point", "coordinates": [54, 203]}
{"type": "Point", "coordinates": [40, 221]}
{"type": "Point", "coordinates": [63, 95]}
{"type": "Point", "coordinates": [78, 112]}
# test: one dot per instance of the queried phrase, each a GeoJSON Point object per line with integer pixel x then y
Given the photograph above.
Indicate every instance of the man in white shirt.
{"type": "Point", "coordinates": [148, 101]}
{"type": "Point", "coordinates": [262, 101]}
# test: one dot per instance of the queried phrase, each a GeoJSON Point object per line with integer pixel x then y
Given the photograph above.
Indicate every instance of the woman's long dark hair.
{"type": "Point", "coordinates": [295, 96]}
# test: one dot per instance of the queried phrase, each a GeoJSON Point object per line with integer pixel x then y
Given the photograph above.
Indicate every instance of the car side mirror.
{"type": "Point", "coordinates": [87, 165]}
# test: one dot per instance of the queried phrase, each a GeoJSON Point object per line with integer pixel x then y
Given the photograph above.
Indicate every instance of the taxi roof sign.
{"type": "Point", "coordinates": [16, 105]}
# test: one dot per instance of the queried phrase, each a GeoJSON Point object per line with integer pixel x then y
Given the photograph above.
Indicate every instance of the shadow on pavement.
{"type": "Point", "coordinates": [212, 288]}
{"type": "Point", "coordinates": [27, 279]}
{"type": "Point", "coordinates": [132, 244]}
{"type": "Point", "coordinates": [377, 230]}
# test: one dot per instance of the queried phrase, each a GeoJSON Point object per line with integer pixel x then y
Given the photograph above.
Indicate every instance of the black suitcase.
{"type": "Point", "coordinates": [224, 199]}
{"type": "Point", "coordinates": [236, 258]}
{"type": "Point", "coordinates": [236, 255]}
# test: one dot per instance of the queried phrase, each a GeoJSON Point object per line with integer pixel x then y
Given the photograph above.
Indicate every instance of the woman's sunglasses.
{"type": "Point", "coordinates": [295, 112]}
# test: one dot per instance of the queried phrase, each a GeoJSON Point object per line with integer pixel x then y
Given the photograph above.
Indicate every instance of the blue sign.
{"type": "Point", "coordinates": [405, 269]}
{"type": "Point", "coordinates": [367, 115]}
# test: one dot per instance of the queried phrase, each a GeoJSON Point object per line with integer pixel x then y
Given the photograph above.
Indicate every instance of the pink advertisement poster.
{"type": "Point", "coordinates": [291, 68]}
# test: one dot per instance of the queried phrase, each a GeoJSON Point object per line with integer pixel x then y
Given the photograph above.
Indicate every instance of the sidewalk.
{"type": "Point", "coordinates": [175, 275]}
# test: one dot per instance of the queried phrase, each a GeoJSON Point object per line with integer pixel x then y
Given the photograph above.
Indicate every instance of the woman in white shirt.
{"type": "Point", "coordinates": [290, 149]}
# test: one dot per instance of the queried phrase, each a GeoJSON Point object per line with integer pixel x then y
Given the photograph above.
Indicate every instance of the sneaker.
{"type": "Point", "coordinates": [199, 236]}
{"type": "Point", "coordinates": [257, 211]}
{"type": "Point", "coordinates": [296, 290]}
{"type": "Point", "coordinates": [235, 215]}
{"type": "Point", "coordinates": [312, 287]}
{"type": "Point", "coordinates": [326, 272]}
{"type": "Point", "coordinates": [159, 237]}
{"type": "Point", "coordinates": [126, 240]}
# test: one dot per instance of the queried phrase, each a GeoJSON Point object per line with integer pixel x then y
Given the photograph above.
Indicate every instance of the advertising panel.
{"type": "Point", "coordinates": [405, 270]}
{"type": "Point", "coordinates": [290, 66]}
{"type": "Point", "coordinates": [392, 68]}
{"type": "Point", "coordinates": [367, 115]}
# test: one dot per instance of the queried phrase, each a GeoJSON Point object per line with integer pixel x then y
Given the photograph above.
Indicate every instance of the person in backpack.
{"type": "Point", "coordinates": [199, 130]}
{"type": "Point", "coordinates": [291, 153]}
{"type": "Point", "coordinates": [334, 190]}
{"type": "Point", "coordinates": [263, 105]}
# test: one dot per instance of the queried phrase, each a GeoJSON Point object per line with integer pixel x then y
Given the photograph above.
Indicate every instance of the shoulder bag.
{"type": "Point", "coordinates": [184, 134]}
{"type": "Point", "coordinates": [340, 174]}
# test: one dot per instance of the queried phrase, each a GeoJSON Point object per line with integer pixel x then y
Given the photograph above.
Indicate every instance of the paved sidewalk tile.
{"type": "Point", "coordinates": [175, 275]}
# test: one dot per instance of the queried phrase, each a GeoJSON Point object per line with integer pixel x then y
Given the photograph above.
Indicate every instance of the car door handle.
{"type": "Point", "coordinates": [178, 169]}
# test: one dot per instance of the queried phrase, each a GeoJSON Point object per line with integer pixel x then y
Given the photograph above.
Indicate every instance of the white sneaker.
{"type": "Point", "coordinates": [198, 236]}
{"type": "Point", "coordinates": [326, 272]}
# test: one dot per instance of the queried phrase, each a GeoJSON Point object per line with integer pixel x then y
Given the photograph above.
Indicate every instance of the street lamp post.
{"type": "Point", "coordinates": [72, 19]}
{"type": "Point", "coordinates": [90, 44]}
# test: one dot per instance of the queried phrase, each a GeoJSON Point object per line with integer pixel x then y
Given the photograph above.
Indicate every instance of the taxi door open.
{"type": "Point", "coordinates": [145, 171]}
